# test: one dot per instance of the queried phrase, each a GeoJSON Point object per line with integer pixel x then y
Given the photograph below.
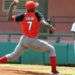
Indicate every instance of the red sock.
{"type": "Point", "coordinates": [3, 59]}
{"type": "Point", "coordinates": [53, 63]}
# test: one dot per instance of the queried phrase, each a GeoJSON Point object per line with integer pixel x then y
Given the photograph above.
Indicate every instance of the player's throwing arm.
{"type": "Point", "coordinates": [12, 9]}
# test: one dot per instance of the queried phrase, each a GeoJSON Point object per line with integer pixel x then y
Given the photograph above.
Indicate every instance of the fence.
{"type": "Point", "coordinates": [64, 48]}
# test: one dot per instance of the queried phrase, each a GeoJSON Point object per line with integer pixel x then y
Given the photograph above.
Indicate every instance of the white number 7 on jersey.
{"type": "Point", "coordinates": [30, 24]}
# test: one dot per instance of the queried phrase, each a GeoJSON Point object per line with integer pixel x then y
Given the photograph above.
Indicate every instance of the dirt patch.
{"type": "Point", "coordinates": [19, 69]}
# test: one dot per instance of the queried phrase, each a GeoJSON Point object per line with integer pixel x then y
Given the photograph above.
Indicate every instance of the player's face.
{"type": "Point", "coordinates": [30, 10]}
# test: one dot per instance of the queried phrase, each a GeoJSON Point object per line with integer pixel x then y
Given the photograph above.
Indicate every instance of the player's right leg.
{"type": "Point", "coordinates": [20, 48]}
{"type": "Point", "coordinates": [45, 46]}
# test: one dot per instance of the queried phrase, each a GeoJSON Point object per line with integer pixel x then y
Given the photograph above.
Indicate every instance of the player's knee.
{"type": "Point", "coordinates": [51, 48]}
{"type": "Point", "coordinates": [25, 46]}
{"type": "Point", "coordinates": [52, 51]}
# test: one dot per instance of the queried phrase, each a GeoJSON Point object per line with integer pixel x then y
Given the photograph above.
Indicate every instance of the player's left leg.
{"type": "Point", "coordinates": [45, 46]}
{"type": "Point", "coordinates": [20, 48]}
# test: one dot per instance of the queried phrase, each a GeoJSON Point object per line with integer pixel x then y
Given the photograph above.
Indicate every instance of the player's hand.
{"type": "Point", "coordinates": [13, 17]}
{"type": "Point", "coordinates": [51, 30]}
{"type": "Point", "coordinates": [16, 1]}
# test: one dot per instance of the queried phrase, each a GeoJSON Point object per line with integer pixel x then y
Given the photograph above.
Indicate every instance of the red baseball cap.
{"type": "Point", "coordinates": [31, 5]}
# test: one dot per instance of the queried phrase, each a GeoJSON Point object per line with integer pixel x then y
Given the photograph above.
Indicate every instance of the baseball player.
{"type": "Point", "coordinates": [30, 23]}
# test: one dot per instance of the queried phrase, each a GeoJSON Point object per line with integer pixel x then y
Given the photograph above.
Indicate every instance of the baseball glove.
{"type": "Point", "coordinates": [51, 30]}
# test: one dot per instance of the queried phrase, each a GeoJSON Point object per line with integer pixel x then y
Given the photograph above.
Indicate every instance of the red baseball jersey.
{"type": "Point", "coordinates": [30, 25]}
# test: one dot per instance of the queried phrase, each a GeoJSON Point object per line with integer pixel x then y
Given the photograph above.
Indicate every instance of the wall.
{"type": "Point", "coordinates": [6, 26]}
{"type": "Point", "coordinates": [62, 8]}
{"type": "Point", "coordinates": [0, 7]}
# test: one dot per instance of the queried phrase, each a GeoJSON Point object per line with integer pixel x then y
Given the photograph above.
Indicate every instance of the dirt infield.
{"type": "Point", "coordinates": [19, 69]}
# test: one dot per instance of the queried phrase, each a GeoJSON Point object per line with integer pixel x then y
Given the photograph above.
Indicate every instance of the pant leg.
{"type": "Point", "coordinates": [43, 46]}
{"type": "Point", "coordinates": [20, 48]}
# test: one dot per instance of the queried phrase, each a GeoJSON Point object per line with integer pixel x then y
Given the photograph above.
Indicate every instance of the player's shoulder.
{"type": "Point", "coordinates": [39, 15]}
{"type": "Point", "coordinates": [19, 17]}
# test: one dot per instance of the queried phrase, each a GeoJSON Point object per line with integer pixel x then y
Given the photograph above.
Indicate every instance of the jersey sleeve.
{"type": "Point", "coordinates": [19, 18]}
{"type": "Point", "coordinates": [39, 16]}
